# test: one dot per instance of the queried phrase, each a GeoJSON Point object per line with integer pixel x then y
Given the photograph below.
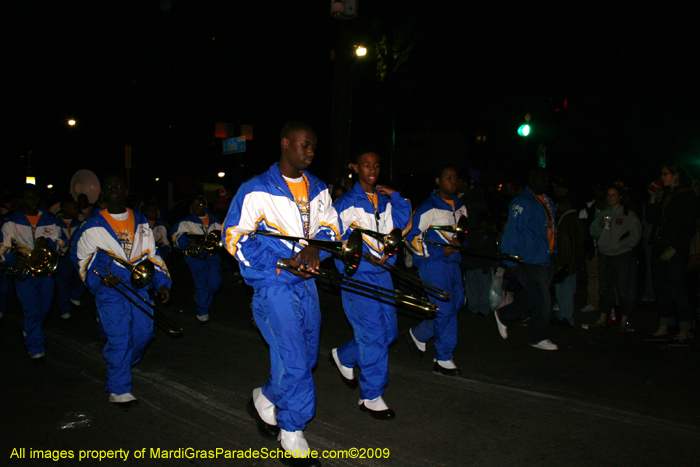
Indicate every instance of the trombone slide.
{"type": "Point", "coordinates": [365, 287]}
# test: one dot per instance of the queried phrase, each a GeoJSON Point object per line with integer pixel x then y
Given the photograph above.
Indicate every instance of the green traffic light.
{"type": "Point", "coordinates": [524, 130]}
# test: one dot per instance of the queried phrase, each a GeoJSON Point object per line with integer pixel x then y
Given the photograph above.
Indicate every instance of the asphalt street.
{"type": "Point", "coordinates": [604, 399]}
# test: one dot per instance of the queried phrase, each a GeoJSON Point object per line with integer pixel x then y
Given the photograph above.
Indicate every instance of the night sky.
{"type": "Point", "coordinates": [159, 74]}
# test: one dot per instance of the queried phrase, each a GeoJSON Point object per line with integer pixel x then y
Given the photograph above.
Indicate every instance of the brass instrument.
{"type": "Point", "coordinates": [391, 241]}
{"type": "Point", "coordinates": [205, 245]}
{"type": "Point", "coordinates": [351, 254]}
{"type": "Point", "coordinates": [478, 253]}
{"type": "Point", "coordinates": [417, 281]}
{"type": "Point", "coordinates": [350, 250]}
{"type": "Point", "coordinates": [391, 247]}
{"type": "Point", "coordinates": [460, 228]}
{"type": "Point", "coordinates": [40, 262]}
{"type": "Point", "coordinates": [370, 289]}
{"type": "Point", "coordinates": [159, 320]}
{"type": "Point", "coordinates": [141, 273]}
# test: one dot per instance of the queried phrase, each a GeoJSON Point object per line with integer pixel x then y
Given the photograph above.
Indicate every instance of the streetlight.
{"type": "Point", "coordinates": [360, 50]}
{"type": "Point", "coordinates": [221, 174]}
{"type": "Point", "coordinates": [71, 122]}
{"type": "Point", "coordinates": [49, 186]}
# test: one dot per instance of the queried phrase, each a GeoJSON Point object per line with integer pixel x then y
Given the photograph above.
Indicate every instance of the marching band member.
{"type": "Point", "coordinates": [378, 208]}
{"type": "Point", "coordinates": [69, 287]}
{"type": "Point", "coordinates": [125, 234]}
{"type": "Point", "coordinates": [160, 232]}
{"type": "Point", "coordinates": [205, 267]}
{"type": "Point", "coordinates": [31, 228]}
{"type": "Point", "coordinates": [440, 266]}
{"type": "Point", "coordinates": [285, 200]}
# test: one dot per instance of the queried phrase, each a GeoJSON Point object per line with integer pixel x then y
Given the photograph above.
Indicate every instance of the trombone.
{"type": "Point", "coordinates": [460, 228]}
{"type": "Point", "coordinates": [351, 254]}
{"type": "Point", "coordinates": [350, 250]}
{"type": "Point", "coordinates": [370, 289]}
{"type": "Point", "coordinates": [141, 275]}
{"type": "Point", "coordinates": [40, 262]}
{"type": "Point", "coordinates": [478, 253]}
{"type": "Point", "coordinates": [391, 247]}
{"type": "Point", "coordinates": [209, 244]}
{"type": "Point", "coordinates": [391, 241]}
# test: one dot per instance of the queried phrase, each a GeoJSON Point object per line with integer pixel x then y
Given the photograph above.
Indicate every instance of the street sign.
{"type": "Point", "coordinates": [233, 145]}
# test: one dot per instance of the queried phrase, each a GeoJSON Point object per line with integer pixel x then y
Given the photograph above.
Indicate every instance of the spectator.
{"type": "Point", "coordinates": [617, 231]}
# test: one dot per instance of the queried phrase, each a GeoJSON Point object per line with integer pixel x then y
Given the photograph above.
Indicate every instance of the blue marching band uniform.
{"type": "Point", "coordinates": [373, 321]}
{"type": "Point", "coordinates": [285, 306]}
{"type": "Point", "coordinates": [69, 286]}
{"type": "Point", "coordinates": [440, 270]}
{"type": "Point", "coordinates": [127, 328]}
{"type": "Point", "coordinates": [35, 293]}
{"type": "Point", "coordinates": [205, 269]}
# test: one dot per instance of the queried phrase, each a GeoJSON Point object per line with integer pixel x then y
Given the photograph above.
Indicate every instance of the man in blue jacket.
{"type": "Point", "coordinates": [531, 234]}
{"type": "Point", "coordinates": [123, 233]}
{"type": "Point", "coordinates": [380, 209]}
{"type": "Point", "coordinates": [438, 265]}
{"type": "Point", "coordinates": [285, 200]}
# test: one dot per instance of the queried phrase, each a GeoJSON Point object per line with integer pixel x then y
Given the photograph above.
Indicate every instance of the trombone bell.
{"type": "Point", "coordinates": [140, 274]}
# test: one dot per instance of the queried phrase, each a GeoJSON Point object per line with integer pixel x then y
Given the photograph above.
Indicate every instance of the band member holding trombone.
{"type": "Point", "coordinates": [285, 200]}
{"type": "Point", "coordinates": [440, 266]}
{"type": "Point", "coordinates": [118, 232]}
{"type": "Point", "coordinates": [379, 209]}
{"type": "Point", "coordinates": [29, 229]}
{"type": "Point", "coordinates": [189, 235]}
{"type": "Point", "coordinates": [69, 287]}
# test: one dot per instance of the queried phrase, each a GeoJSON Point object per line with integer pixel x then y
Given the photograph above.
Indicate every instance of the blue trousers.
{"type": "Point", "coordinates": [36, 296]}
{"type": "Point", "coordinates": [534, 298]}
{"type": "Point", "coordinates": [444, 328]}
{"type": "Point", "coordinates": [207, 280]}
{"type": "Point", "coordinates": [289, 318]}
{"type": "Point", "coordinates": [128, 331]}
{"type": "Point", "coordinates": [6, 292]}
{"type": "Point", "coordinates": [68, 284]}
{"type": "Point", "coordinates": [375, 327]}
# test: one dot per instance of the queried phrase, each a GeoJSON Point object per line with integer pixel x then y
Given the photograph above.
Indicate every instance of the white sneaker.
{"type": "Point", "coordinates": [419, 344]}
{"type": "Point", "coordinates": [503, 330]}
{"type": "Point", "coordinates": [347, 373]}
{"type": "Point", "coordinates": [446, 364]}
{"type": "Point", "coordinates": [545, 345]}
{"type": "Point", "coordinates": [266, 409]}
{"type": "Point", "coordinates": [377, 404]}
{"type": "Point", "coordinates": [203, 317]}
{"type": "Point", "coordinates": [65, 316]}
{"type": "Point", "coordinates": [75, 302]}
{"type": "Point", "coordinates": [294, 442]}
{"type": "Point", "coordinates": [588, 309]}
{"type": "Point", "coordinates": [38, 355]}
{"type": "Point", "coordinates": [556, 307]}
{"type": "Point", "coordinates": [118, 398]}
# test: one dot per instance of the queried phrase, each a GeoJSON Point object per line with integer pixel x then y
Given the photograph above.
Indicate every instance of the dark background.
{"type": "Point", "coordinates": [159, 74]}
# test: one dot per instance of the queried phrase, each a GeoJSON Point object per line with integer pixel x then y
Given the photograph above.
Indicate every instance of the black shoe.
{"type": "Point", "coordinates": [40, 361]}
{"type": "Point", "coordinates": [387, 414]}
{"type": "Point", "coordinates": [351, 383]}
{"type": "Point", "coordinates": [265, 430]}
{"type": "Point", "coordinates": [677, 342]}
{"type": "Point", "coordinates": [406, 336]}
{"type": "Point", "coordinates": [126, 405]}
{"type": "Point", "coordinates": [655, 338]}
{"type": "Point", "coordinates": [560, 323]}
{"type": "Point", "coordinates": [446, 371]}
